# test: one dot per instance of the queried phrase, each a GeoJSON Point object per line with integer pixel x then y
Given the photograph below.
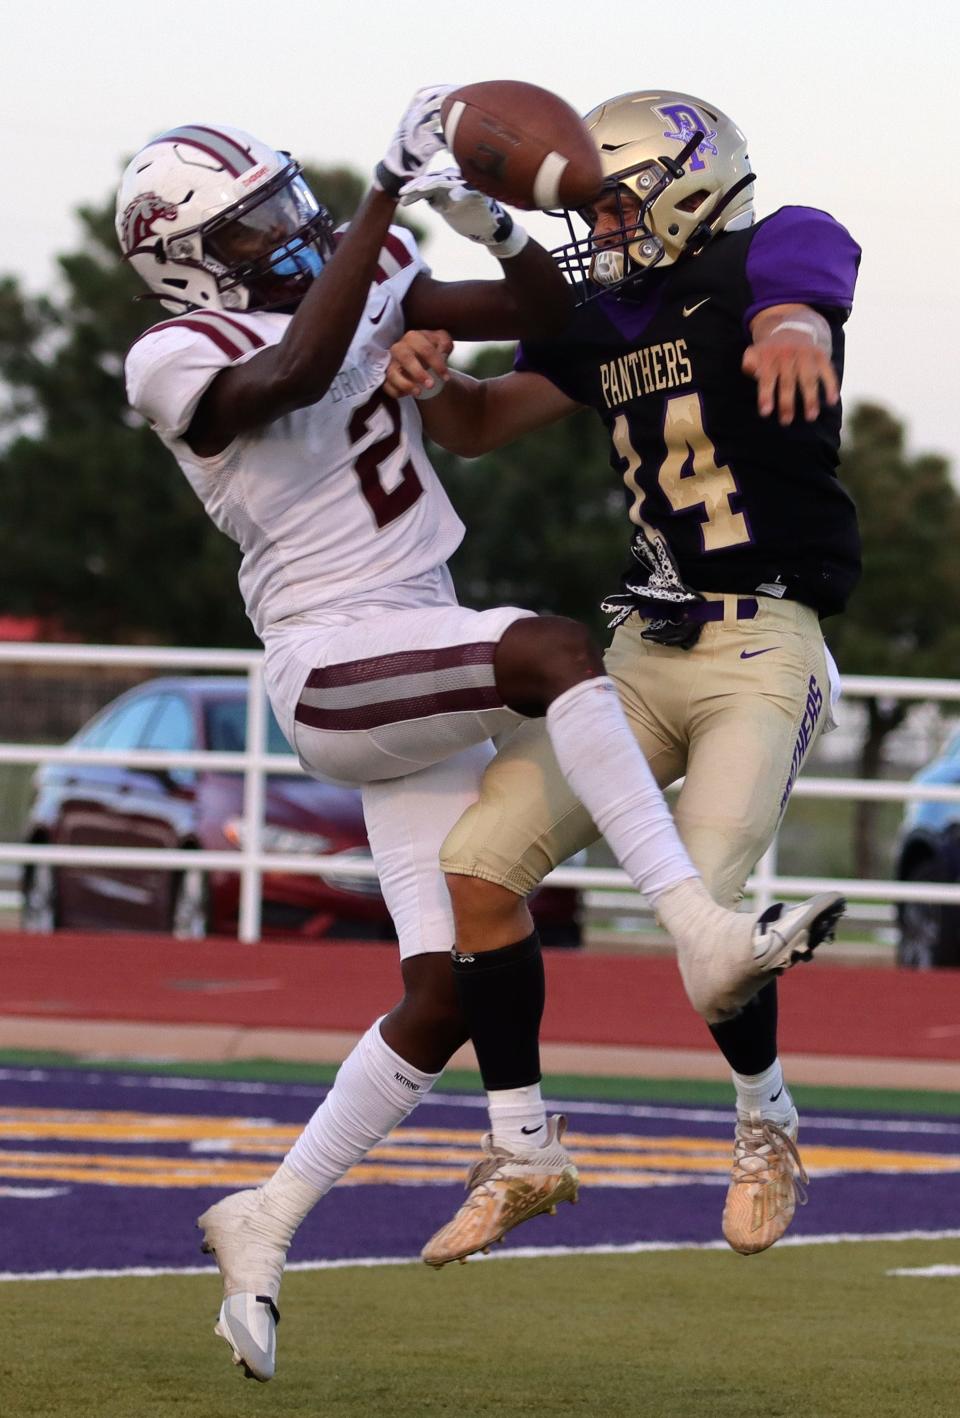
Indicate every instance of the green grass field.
{"type": "Point", "coordinates": [818, 1331]}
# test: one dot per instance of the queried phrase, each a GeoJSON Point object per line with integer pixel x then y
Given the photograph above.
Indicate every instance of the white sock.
{"type": "Point", "coordinates": [287, 1199]}
{"type": "Point", "coordinates": [518, 1118]}
{"type": "Point", "coordinates": [605, 767]}
{"type": "Point", "coordinates": [689, 913]}
{"type": "Point", "coordinates": [764, 1093]}
{"type": "Point", "coordinates": [374, 1090]}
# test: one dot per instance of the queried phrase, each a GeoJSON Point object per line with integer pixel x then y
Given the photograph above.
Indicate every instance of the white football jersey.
{"type": "Point", "coordinates": [334, 499]}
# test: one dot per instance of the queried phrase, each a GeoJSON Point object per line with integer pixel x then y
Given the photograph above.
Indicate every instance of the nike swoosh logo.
{"type": "Point", "coordinates": [752, 654]}
{"type": "Point", "coordinates": [689, 309]}
{"type": "Point", "coordinates": [375, 319]}
{"type": "Point", "coordinates": [528, 1132]}
{"type": "Point", "coordinates": [775, 1096]}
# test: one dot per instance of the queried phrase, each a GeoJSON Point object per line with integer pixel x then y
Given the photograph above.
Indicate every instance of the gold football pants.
{"type": "Point", "coordinates": [735, 717]}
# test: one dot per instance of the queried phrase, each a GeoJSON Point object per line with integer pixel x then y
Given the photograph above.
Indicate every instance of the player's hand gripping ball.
{"type": "Point", "coordinates": [521, 144]}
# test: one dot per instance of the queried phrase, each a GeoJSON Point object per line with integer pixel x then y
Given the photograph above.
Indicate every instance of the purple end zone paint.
{"type": "Point", "coordinates": [114, 1227]}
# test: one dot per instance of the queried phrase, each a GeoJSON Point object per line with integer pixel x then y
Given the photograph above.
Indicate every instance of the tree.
{"type": "Point", "coordinates": [101, 533]}
{"type": "Point", "coordinates": [902, 619]}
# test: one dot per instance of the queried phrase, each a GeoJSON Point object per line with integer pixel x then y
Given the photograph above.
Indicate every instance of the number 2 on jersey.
{"type": "Point", "coordinates": [689, 475]}
{"type": "Point", "coordinates": [375, 462]}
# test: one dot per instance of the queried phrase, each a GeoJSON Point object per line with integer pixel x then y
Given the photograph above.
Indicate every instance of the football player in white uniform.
{"type": "Point", "coordinates": [266, 385]}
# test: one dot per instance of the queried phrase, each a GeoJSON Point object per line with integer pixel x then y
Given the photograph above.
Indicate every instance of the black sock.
{"type": "Point", "coordinates": [748, 1042]}
{"type": "Point", "coordinates": [502, 993]}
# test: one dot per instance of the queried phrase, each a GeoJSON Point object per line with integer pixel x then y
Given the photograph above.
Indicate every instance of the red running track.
{"type": "Point", "coordinates": [592, 999]}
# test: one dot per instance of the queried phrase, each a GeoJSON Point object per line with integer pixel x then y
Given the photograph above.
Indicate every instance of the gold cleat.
{"type": "Point", "coordinates": [504, 1190]}
{"type": "Point", "coordinates": [767, 1180]}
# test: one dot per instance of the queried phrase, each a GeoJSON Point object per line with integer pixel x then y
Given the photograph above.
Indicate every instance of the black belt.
{"type": "Point", "coordinates": [680, 626]}
{"type": "Point", "coordinates": [702, 611]}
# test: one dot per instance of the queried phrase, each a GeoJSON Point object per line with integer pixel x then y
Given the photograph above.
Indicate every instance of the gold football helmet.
{"type": "Point", "coordinates": [686, 165]}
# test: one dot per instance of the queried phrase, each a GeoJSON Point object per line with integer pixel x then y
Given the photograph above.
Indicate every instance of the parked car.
{"type": "Point", "coordinates": [115, 806]}
{"type": "Point", "coordinates": [928, 849]}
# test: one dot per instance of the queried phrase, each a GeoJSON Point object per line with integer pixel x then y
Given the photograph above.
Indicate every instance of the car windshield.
{"type": "Point", "coordinates": [226, 727]}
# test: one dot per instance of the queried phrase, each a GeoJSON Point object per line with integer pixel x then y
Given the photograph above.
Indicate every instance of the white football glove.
{"type": "Point", "coordinates": [416, 140]}
{"type": "Point", "coordinates": [469, 212]}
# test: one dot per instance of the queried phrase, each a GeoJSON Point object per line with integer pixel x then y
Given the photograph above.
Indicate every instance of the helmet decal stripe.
{"type": "Point", "coordinates": [234, 158]}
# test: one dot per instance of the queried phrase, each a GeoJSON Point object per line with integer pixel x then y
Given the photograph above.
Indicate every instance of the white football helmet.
{"type": "Point", "coordinates": [213, 219]}
{"type": "Point", "coordinates": [686, 164]}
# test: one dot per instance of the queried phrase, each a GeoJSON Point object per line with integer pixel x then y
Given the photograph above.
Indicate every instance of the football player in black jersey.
{"type": "Point", "coordinates": [711, 346]}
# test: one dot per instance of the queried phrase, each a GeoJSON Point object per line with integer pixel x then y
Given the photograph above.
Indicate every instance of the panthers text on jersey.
{"type": "Point", "coordinates": [743, 503]}
{"type": "Point", "coordinates": [333, 500]}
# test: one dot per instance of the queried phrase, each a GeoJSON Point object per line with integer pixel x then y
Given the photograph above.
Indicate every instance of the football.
{"type": "Point", "coordinates": [521, 144]}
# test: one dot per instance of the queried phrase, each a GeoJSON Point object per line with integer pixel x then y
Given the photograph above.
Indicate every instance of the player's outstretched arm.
{"type": "Point", "coordinates": [532, 300]}
{"type": "Point", "coordinates": [791, 355]}
{"type": "Point", "coordinates": [299, 369]}
{"type": "Point", "coordinates": [464, 415]}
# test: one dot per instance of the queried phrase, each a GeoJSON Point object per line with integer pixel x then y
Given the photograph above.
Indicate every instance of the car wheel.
{"type": "Point", "coordinates": [190, 908]}
{"type": "Point", "coordinates": [929, 932]}
{"type": "Point", "coordinates": [38, 913]}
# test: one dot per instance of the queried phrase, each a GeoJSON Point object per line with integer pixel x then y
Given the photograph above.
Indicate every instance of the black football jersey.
{"type": "Point", "coordinates": [744, 504]}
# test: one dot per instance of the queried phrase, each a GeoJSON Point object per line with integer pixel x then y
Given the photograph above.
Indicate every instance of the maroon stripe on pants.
{"type": "Point", "coordinates": [400, 711]}
{"type": "Point", "coordinates": [403, 662]}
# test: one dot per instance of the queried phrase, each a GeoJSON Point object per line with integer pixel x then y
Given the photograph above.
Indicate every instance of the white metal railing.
{"type": "Point", "coordinates": [250, 860]}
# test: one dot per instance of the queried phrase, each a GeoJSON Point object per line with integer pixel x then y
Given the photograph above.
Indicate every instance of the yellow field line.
{"type": "Point", "coordinates": [399, 1166]}
{"type": "Point", "coordinates": [82, 1124]}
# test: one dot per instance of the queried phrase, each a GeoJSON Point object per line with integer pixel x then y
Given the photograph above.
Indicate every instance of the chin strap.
{"type": "Point", "coordinates": [169, 299]}
{"type": "Point", "coordinates": [701, 234]}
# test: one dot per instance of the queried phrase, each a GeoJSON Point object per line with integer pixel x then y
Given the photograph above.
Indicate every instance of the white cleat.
{"type": "Point", "coordinates": [723, 969]}
{"type": "Point", "coordinates": [250, 1247]}
{"type": "Point", "coordinates": [249, 1325]}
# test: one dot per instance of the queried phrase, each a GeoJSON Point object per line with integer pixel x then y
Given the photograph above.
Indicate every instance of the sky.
{"type": "Point", "coordinates": [849, 106]}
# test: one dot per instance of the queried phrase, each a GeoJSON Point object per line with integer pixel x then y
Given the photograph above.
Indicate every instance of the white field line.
{"type": "Point", "coordinates": [518, 1253]}
{"type": "Point", "coordinates": [33, 1193]}
{"type": "Point", "coordinates": [928, 1272]}
{"type": "Point", "coordinates": [573, 1107]}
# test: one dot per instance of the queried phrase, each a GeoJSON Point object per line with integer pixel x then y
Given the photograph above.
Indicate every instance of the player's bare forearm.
{"type": "Point", "coordinates": [464, 415]}
{"type": "Point", "coordinates": [299, 369]}
{"type": "Point", "coordinates": [531, 301]}
{"type": "Point", "coordinates": [790, 357]}
{"type": "Point", "coordinates": [456, 418]}
{"type": "Point", "coordinates": [316, 341]}
{"type": "Point", "coordinates": [542, 297]}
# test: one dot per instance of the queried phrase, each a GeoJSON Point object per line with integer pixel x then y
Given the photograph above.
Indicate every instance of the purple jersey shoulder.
{"type": "Point", "coordinates": [801, 256]}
